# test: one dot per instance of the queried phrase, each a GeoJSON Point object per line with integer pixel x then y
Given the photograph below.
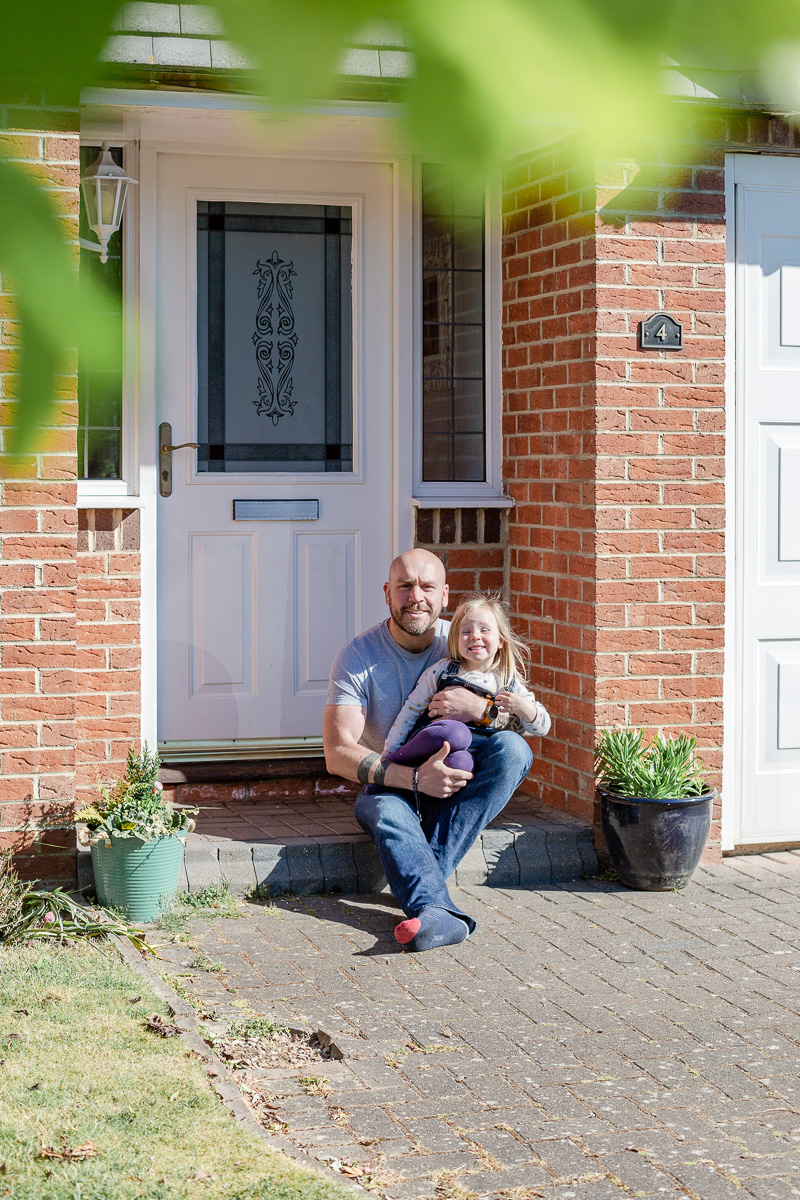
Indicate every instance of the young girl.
{"type": "Point", "coordinates": [486, 658]}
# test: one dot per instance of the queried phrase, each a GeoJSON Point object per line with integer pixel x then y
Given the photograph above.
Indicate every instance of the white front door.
{"type": "Point", "coordinates": [275, 334]}
{"type": "Point", "coordinates": [768, 475]}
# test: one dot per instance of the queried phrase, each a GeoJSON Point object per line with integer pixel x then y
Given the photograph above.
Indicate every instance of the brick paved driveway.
{"type": "Point", "coordinates": [586, 1042]}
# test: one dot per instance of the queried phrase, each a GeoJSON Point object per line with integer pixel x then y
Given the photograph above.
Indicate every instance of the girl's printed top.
{"type": "Point", "coordinates": [428, 685]}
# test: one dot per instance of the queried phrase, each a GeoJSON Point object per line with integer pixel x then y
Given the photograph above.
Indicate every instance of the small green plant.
{"type": "Point", "coordinates": [214, 898]}
{"type": "Point", "coordinates": [134, 805]}
{"type": "Point", "coordinates": [255, 1027]}
{"type": "Point", "coordinates": [201, 962]}
{"type": "Point", "coordinates": [668, 768]}
{"type": "Point", "coordinates": [315, 1085]}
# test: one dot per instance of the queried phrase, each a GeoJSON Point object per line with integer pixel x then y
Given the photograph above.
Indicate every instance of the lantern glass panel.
{"type": "Point", "coordinates": [100, 392]}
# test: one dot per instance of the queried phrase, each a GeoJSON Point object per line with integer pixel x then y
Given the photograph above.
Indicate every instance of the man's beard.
{"type": "Point", "coordinates": [414, 622]}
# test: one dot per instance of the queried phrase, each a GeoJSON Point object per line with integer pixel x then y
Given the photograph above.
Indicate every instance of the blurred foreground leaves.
{"type": "Point", "coordinates": [485, 72]}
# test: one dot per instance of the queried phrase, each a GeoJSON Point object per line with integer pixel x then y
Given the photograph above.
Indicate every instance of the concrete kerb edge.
{"type": "Point", "coordinates": [221, 1080]}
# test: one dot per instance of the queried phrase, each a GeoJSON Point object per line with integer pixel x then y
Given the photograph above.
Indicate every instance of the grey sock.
{"type": "Point", "coordinates": [438, 927]}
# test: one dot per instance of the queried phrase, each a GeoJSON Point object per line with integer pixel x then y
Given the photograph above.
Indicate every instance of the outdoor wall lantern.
{"type": "Point", "coordinates": [105, 188]}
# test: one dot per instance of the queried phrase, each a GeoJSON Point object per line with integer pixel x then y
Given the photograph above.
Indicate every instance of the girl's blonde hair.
{"type": "Point", "coordinates": [513, 655]}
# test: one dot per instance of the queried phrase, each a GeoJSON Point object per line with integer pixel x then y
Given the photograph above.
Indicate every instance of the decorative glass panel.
{"type": "Point", "coordinates": [274, 337]}
{"type": "Point", "coordinates": [100, 392]}
{"type": "Point", "coordinates": [453, 332]}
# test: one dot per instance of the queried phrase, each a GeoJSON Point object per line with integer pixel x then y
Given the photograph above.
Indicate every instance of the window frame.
{"type": "Point", "coordinates": [108, 493]}
{"type": "Point", "coordinates": [488, 492]}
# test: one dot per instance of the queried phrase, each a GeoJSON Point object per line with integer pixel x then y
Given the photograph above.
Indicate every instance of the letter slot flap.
{"type": "Point", "coordinates": [276, 510]}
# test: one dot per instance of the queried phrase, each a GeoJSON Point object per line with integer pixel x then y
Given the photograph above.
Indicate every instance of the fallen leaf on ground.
{"type": "Point", "coordinates": [200, 1174]}
{"type": "Point", "coordinates": [135, 1000]}
{"type": "Point", "coordinates": [165, 1028]}
{"type": "Point", "coordinates": [72, 1153]}
{"type": "Point", "coordinates": [349, 1169]}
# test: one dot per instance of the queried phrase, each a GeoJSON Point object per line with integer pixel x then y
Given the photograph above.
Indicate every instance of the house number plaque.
{"type": "Point", "coordinates": [660, 332]}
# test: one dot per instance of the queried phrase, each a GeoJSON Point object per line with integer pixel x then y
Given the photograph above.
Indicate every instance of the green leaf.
{"type": "Point", "coordinates": [50, 51]}
{"type": "Point", "coordinates": [42, 273]}
{"type": "Point", "coordinates": [297, 45]}
{"type": "Point", "coordinates": [668, 768]}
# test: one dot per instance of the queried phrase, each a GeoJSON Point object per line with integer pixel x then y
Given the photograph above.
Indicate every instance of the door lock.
{"type": "Point", "coordinates": [165, 448]}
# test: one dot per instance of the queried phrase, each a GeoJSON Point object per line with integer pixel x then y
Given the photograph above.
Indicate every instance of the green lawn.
{"type": "Point", "coordinates": [78, 1065]}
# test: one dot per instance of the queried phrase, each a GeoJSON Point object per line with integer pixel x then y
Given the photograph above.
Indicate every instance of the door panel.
{"type": "Point", "coordinates": [768, 558]}
{"type": "Point", "coordinates": [326, 571]}
{"type": "Point", "coordinates": [275, 326]}
{"type": "Point", "coordinates": [223, 643]}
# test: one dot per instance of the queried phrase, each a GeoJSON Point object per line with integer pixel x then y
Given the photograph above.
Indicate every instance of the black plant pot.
{"type": "Point", "coordinates": [655, 845]}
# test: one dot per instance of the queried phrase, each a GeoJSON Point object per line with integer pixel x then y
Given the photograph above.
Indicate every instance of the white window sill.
{"type": "Point", "coordinates": [491, 500]}
{"type": "Point", "coordinates": [90, 496]}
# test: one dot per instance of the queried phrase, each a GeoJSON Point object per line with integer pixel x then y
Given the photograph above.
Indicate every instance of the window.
{"type": "Point", "coordinates": [274, 337]}
{"type": "Point", "coordinates": [454, 410]}
{"type": "Point", "coordinates": [100, 391]}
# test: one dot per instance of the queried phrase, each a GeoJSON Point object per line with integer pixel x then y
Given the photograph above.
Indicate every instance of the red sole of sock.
{"type": "Point", "coordinates": [406, 931]}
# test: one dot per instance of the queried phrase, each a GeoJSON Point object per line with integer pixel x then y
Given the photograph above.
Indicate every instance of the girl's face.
{"type": "Point", "coordinates": [479, 639]}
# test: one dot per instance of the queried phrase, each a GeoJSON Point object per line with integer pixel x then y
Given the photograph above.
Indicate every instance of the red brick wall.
{"type": "Point", "coordinates": [660, 468]}
{"type": "Point", "coordinates": [38, 522]}
{"type": "Point", "coordinates": [549, 446]}
{"type": "Point", "coordinates": [471, 543]}
{"type": "Point", "coordinates": [615, 456]}
{"type": "Point", "coordinates": [108, 645]}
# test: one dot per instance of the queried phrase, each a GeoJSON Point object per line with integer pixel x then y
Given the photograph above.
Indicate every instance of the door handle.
{"type": "Point", "coordinates": [165, 448]}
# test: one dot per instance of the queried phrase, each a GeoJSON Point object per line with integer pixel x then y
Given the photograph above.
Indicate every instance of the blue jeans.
{"type": "Point", "coordinates": [418, 856]}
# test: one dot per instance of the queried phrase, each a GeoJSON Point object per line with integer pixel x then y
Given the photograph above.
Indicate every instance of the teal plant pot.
{"type": "Point", "coordinates": [138, 877]}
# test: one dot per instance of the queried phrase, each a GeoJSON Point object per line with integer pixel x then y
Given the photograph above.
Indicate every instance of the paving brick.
{"type": "Point", "coordinates": [535, 864]}
{"type": "Point", "coordinates": [706, 1181]}
{"type": "Point", "coordinates": [472, 870]}
{"type": "Point", "coordinates": [501, 858]}
{"type": "Point", "coordinates": [202, 868]}
{"type": "Point", "coordinates": [305, 868]}
{"type": "Point", "coordinates": [435, 1135]}
{"type": "Point", "coordinates": [565, 857]}
{"type": "Point", "coordinates": [236, 866]}
{"type": "Point", "coordinates": [271, 868]}
{"type": "Point", "coordinates": [338, 866]}
{"type": "Point", "coordinates": [503, 1146]}
{"type": "Point", "coordinates": [368, 867]}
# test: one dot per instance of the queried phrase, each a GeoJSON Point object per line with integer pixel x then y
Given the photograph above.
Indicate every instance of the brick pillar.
{"type": "Point", "coordinates": [661, 457]}
{"type": "Point", "coordinates": [615, 455]}
{"type": "Point", "coordinates": [38, 526]}
{"type": "Point", "coordinates": [109, 650]}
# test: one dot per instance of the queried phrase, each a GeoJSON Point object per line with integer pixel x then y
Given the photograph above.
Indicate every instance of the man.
{"type": "Point", "coordinates": [370, 681]}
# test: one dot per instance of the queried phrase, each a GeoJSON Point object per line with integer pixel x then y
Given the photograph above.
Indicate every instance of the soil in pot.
{"type": "Point", "coordinates": [655, 845]}
{"type": "Point", "coordinates": [135, 876]}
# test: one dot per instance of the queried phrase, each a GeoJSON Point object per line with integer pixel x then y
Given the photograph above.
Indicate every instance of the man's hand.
{"type": "Point", "coordinates": [457, 704]}
{"type": "Point", "coordinates": [439, 781]}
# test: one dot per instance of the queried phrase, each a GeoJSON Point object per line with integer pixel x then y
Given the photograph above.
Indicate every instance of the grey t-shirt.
{"type": "Point", "coordinates": [376, 674]}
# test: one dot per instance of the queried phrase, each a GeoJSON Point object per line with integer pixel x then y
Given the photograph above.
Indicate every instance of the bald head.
{"type": "Point", "coordinates": [416, 594]}
{"type": "Point", "coordinates": [417, 564]}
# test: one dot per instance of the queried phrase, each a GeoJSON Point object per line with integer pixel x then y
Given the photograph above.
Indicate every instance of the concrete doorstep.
{"type": "Point", "coordinates": [528, 845]}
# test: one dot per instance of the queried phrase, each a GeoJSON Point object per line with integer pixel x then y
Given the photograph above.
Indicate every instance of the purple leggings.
{"type": "Point", "coordinates": [419, 748]}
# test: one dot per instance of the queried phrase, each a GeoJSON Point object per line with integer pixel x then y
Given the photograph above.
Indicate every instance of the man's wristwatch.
{"type": "Point", "coordinates": [490, 713]}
